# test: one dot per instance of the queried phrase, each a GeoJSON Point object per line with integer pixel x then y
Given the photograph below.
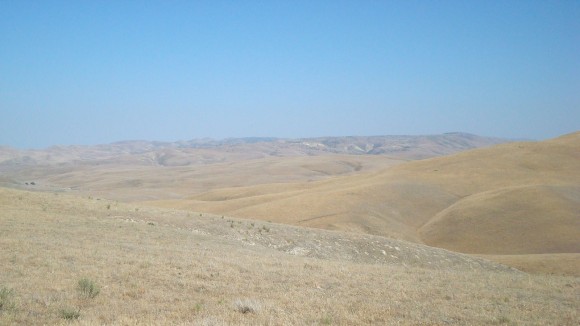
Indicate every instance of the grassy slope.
{"type": "Point", "coordinates": [158, 266]}
{"type": "Point", "coordinates": [135, 180]}
{"type": "Point", "coordinates": [520, 220]}
{"type": "Point", "coordinates": [518, 198]}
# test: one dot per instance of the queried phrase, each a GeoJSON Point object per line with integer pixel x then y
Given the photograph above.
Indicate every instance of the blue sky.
{"type": "Point", "coordinates": [88, 72]}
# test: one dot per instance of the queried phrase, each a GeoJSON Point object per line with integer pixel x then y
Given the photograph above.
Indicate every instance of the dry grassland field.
{"type": "Point", "coordinates": [272, 232]}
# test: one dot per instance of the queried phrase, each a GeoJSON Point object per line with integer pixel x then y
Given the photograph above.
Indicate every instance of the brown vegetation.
{"type": "Point", "coordinates": [175, 251]}
{"type": "Point", "coordinates": [516, 199]}
{"type": "Point", "coordinates": [155, 266]}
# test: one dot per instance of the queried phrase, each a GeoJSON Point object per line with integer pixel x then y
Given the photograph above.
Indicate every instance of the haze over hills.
{"type": "Point", "coordinates": [124, 202]}
{"type": "Point", "coordinates": [510, 202]}
{"type": "Point", "coordinates": [512, 199]}
{"type": "Point", "coordinates": [397, 241]}
{"type": "Point", "coordinates": [133, 170]}
{"type": "Point", "coordinates": [201, 150]}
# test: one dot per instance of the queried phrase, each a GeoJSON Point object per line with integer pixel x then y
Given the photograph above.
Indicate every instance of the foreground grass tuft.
{"type": "Point", "coordinates": [247, 306]}
{"type": "Point", "coordinates": [6, 302]}
{"type": "Point", "coordinates": [326, 321]}
{"type": "Point", "coordinates": [503, 320]}
{"type": "Point", "coordinates": [69, 313]}
{"type": "Point", "coordinates": [88, 288]}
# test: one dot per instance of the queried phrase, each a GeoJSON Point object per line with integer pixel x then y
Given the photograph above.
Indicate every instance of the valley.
{"type": "Point", "coordinates": [228, 234]}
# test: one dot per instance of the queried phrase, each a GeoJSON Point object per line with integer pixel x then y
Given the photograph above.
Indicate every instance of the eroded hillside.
{"type": "Point", "coordinates": [517, 199]}
{"type": "Point", "coordinates": [154, 266]}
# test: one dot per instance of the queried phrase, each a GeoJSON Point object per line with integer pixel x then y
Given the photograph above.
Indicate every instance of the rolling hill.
{"type": "Point", "coordinates": [510, 202]}
{"type": "Point", "coordinates": [69, 259]}
{"type": "Point", "coordinates": [143, 170]}
{"type": "Point", "coordinates": [208, 151]}
{"type": "Point", "coordinates": [322, 239]}
{"type": "Point", "coordinates": [513, 199]}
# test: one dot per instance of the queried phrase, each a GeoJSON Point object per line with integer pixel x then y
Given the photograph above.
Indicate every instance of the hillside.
{"type": "Point", "coordinates": [517, 201]}
{"type": "Point", "coordinates": [512, 199]}
{"type": "Point", "coordinates": [208, 151]}
{"type": "Point", "coordinates": [154, 266]}
{"type": "Point", "coordinates": [142, 170]}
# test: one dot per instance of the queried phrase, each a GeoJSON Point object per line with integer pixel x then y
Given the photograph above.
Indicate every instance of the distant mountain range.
{"type": "Point", "coordinates": [207, 151]}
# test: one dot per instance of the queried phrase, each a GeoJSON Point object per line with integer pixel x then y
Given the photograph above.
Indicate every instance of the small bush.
{"type": "Point", "coordinates": [247, 306]}
{"type": "Point", "coordinates": [6, 302]}
{"type": "Point", "coordinates": [503, 320]}
{"type": "Point", "coordinates": [69, 313]}
{"type": "Point", "coordinates": [88, 288]}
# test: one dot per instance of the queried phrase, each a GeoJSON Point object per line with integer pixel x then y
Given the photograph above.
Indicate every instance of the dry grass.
{"type": "Point", "coordinates": [517, 220]}
{"type": "Point", "coordinates": [512, 199]}
{"type": "Point", "coordinates": [184, 269]}
{"type": "Point", "coordinates": [138, 179]}
{"type": "Point", "coordinates": [550, 264]}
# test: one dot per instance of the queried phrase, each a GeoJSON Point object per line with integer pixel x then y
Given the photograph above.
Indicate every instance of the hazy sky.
{"type": "Point", "coordinates": [87, 72]}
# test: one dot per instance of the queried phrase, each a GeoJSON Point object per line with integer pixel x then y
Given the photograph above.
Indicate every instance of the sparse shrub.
{"type": "Point", "coordinates": [88, 288]}
{"type": "Point", "coordinates": [247, 306]}
{"type": "Point", "coordinates": [503, 320]}
{"type": "Point", "coordinates": [108, 206]}
{"type": "Point", "coordinates": [151, 223]}
{"type": "Point", "coordinates": [69, 313]}
{"type": "Point", "coordinates": [6, 302]}
{"type": "Point", "coordinates": [326, 321]}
